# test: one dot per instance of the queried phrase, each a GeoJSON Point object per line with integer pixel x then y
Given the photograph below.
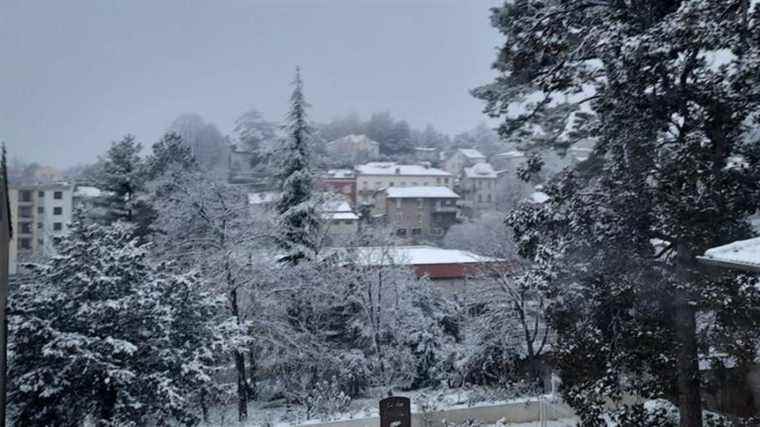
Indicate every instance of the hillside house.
{"type": "Point", "coordinates": [374, 177]}
{"type": "Point", "coordinates": [477, 188]}
{"type": "Point", "coordinates": [353, 149]}
{"type": "Point", "coordinates": [462, 158]}
{"type": "Point", "coordinates": [419, 212]}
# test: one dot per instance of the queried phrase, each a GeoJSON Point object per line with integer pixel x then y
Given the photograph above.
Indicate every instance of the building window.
{"type": "Point", "coordinates": [446, 180]}
{"type": "Point", "coordinates": [438, 180]}
{"type": "Point", "coordinates": [39, 225]}
{"type": "Point", "coordinates": [40, 242]}
{"type": "Point", "coordinates": [58, 195]}
{"type": "Point", "coordinates": [24, 244]}
{"type": "Point", "coordinates": [40, 194]}
{"type": "Point", "coordinates": [57, 226]}
{"type": "Point", "coordinates": [57, 210]}
{"type": "Point", "coordinates": [25, 227]}
{"type": "Point", "coordinates": [488, 198]}
{"type": "Point", "coordinates": [25, 211]}
{"type": "Point", "coordinates": [401, 232]}
{"type": "Point", "coordinates": [391, 184]}
{"type": "Point", "coordinates": [25, 195]}
{"type": "Point", "coordinates": [40, 210]}
{"type": "Point", "coordinates": [416, 231]}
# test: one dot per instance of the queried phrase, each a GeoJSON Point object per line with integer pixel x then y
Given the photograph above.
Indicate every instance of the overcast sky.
{"type": "Point", "coordinates": [78, 74]}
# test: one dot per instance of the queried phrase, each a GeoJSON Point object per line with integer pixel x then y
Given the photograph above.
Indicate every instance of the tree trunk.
{"type": "Point", "coordinates": [687, 363]}
{"type": "Point", "coordinates": [242, 387]}
{"type": "Point", "coordinates": [242, 384]}
{"type": "Point", "coordinates": [253, 392]}
{"type": "Point", "coordinates": [204, 406]}
{"type": "Point", "coordinates": [689, 397]}
{"type": "Point", "coordinates": [107, 405]}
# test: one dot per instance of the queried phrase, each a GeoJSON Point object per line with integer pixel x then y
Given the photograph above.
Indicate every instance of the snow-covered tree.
{"type": "Point", "coordinates": [253, 133]}
{"type": "Point", "coordinates": [298, 217]}
{"type": "Point", "coordinates": [671, 87]}
{"type": "Point", "coordinates": [205, 140]}
{"type": "Point", "coordinates": [102, 334]}
{"type": "Point", "coordinates": [370, 309]}
{"type": "Point", "coordinates": [170, 151]}
{"type": "Point", "coordinates": [208, 225]}
{"type": "Point", "coordinates": [121, 176]}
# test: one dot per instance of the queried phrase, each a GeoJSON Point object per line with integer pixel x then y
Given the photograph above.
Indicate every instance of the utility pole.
{"type": "Point", "coordinates": [5, 237]}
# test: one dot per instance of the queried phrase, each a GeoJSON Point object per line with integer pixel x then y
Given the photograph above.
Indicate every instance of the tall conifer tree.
{"type": "Point", "coordinates": [298, 217]}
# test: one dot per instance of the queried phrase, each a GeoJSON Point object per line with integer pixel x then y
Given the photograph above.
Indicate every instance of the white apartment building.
{"type": "Point", "coordinates": [376, 176]}
{"type": "Point", "coordinates": [39, 213]}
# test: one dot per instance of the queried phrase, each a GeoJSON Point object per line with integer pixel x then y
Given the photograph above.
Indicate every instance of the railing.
{"type": "Point", "coordinates": [446, 209]}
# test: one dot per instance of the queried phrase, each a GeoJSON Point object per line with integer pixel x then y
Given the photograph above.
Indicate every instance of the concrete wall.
{"type": "Point", "coordinates": [521, 412]}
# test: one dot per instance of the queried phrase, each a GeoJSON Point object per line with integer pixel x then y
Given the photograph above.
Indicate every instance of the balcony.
{"type": "Point", "coordinates": [445, 209]}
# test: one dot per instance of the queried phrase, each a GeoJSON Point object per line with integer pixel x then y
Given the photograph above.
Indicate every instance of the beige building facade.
{"type": "Point", "coordinates": [418, 213]}
{"type": "Point", "coordinates": [374, 177]}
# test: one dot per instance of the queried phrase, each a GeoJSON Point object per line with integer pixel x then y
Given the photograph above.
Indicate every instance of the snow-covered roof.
{"type": "Point", "coordinates": [262, 197]}
{"type": "Point", "coordinates": [335, 205]}
{"type": "Point", "coordinates": [741, 255]}
{"type": "Point", "coordinates": [415, 255]}
{"type": "Point", "coordinates": [337, 209]}
{"type": "Point", "coordinates": [510, 154]}
{"type": "Point", "coordinates": [391, 168]}
{"type": "Point", "coordinates": [538, 197]}
{"type": "Point", "coordinates": [480, 170]}
{"type": "Point", "coordinates": [354, 139]}
{"type": "Point", "coordinates": [350, 216]}
{"type": "Point", "coordinates": [472, 153]}
{"type": "Point", "coordinates": [87, 191]}
{"type": "Point", "coordinates": [420, 193]}
{"type": "Point", "coordinates": [340, 173]}
{"type": "Point", "coordinates": [429, 149]}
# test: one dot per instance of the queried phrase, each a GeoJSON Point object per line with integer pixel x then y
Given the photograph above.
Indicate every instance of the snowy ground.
{"type": "Point", "coordinates": [567, 422]}
{"type": "Point", "coordinates": [277, 414]}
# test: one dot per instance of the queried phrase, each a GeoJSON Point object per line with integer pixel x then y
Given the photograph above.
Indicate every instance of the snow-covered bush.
{"type": "Point", "coordinates": [326, 400]}
{"type": "Point", "coordinates": [354, 375]}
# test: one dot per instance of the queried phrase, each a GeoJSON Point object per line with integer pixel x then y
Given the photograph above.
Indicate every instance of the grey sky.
{"type": "Point", "coordinates": [78, 74]}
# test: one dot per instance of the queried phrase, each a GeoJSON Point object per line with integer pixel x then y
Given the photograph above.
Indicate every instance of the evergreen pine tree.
{"type": "Point", "coordinates": [100, 333]}
{"type": "Point", "coordinates": [120, 176]}
{"type": "Point", "coordinates": [299, 221]}
{"type": "Point", "coordinates": [169, 152]}
{"type": "Point", "coordinates": [674, 87]}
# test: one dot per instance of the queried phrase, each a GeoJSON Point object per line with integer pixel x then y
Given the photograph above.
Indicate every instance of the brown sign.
{"type": "Point", "coordinates": [395, 411]}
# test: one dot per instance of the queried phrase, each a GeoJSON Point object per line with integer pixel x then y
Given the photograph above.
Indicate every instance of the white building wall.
{"type": "Point", "coordinates": [54, 223]}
